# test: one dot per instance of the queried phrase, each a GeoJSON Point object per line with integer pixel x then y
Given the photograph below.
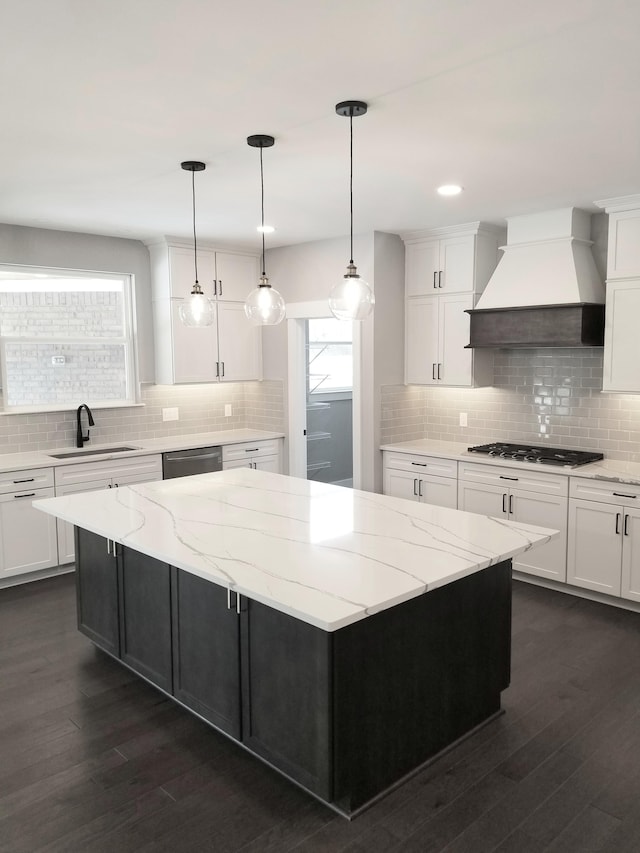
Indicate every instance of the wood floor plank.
{"type": "Point", "coordinates": [92, 759]}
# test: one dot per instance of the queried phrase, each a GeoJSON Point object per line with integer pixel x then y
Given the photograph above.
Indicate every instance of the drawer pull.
{"type": "Point", "coordinates": [421, 464]}
{"type": "Point", "coordinates": [622, 495]}
{"type": "Point", "coordinates": [503, 477]}
{"type": "Point", "coordinates": [28, 480]}
{"type": "Point", "coordinates": [251, 449]}
{"type": "Point", "coordinates": [30, 495]}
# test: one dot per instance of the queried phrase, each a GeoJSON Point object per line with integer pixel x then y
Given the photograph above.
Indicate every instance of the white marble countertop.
{"type": "Point", "coordinates": [324, 554]}
{"type": "Point", "coordinates": [143, 447]}
{"type": "Point", "coordinates": [606, 469]}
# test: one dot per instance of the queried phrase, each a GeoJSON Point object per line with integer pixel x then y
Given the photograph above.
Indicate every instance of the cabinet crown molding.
{"type": "Point", "coordinates": [615, 205]}
{"type": "Point", "coordinates": [181, 243]}
{"type": "Point", "coordinates": [468, 229]}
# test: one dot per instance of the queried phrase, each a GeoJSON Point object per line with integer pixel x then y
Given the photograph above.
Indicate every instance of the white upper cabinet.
{"type": "Point", "coordinates": [622, 302]}
{"type": "Point", "coordinates": [441, 266]}
{"type": "Point", "coordinates": [230, 350]}
{"type": "Point", "coordinates": [446, 271]}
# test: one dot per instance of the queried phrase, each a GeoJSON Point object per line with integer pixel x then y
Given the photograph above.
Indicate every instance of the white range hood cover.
{"type": "Point", "coordinates": [547, 261]}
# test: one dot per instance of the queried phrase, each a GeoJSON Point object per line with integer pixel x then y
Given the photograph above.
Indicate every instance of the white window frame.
{"type": "Point", "coordinates": [128, 340]}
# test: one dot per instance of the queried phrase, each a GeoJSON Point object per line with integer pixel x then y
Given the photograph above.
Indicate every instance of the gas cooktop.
{"type": "Point", "coordinates": [544, 455]}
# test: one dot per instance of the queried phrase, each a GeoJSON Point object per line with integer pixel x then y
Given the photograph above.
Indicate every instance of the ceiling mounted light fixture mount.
{"type": "Point", "coordinates": [264, 305]}
{"type": "Point", "coordinates": [197, 309]}
{"type": "Point", "coordinates": [352, 298]}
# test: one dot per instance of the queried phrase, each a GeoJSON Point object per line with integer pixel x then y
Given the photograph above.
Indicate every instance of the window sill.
{"type": "Point", "coordinates": [34, 410]}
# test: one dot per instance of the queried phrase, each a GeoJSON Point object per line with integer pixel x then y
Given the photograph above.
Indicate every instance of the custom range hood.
{"type": "Point", "coordinates": [545, 291]}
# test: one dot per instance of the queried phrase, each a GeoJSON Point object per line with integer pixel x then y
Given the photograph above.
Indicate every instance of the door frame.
{"type": "Point", "coordinates": [297, 314]}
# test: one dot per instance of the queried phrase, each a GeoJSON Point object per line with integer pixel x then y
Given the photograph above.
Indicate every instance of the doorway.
{"type": "Point", "coordinates": [329, 400]}
{"type": "Point", "coordinates": [323, 395]}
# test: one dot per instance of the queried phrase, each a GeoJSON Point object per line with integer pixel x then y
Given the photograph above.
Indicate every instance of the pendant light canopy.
{"type": "Point", "coordinates": [197, 309]}
{"type": "Point", "coordinates": [352, 298]}
{"type": "Point", "coordinates": [264, 305]}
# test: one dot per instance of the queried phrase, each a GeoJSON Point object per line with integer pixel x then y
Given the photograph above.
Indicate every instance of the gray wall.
{"type": "Point", "coordinates": [307, 272]}
{"type": "Point", "coordinates": [68, 250]}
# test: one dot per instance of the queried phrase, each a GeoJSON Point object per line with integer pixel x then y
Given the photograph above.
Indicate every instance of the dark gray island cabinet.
{"type": "Point", "coordinates": [346, 714]}
{"type": "Point", "coordinates": [345, 638]}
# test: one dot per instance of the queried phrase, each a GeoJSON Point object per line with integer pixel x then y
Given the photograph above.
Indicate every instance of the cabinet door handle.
{"type": "Point", "coordinates": [30, 495]}
{"type": "Point", "coordinates": [439, 366]}
{"type": "Point", "coordinates": [220, 283]}
{"type": "Point", "coordinates": [435, 278]}
{"type": "Point", "coordinates": [626, 524]}
{"type": "Point", "coordinates": [420, 488]}
{"type": "Point", "coordinates": [238, 602]}
{"type": "Point", "coordinates": [617, 522]}
{"type": "Point", "coordinates": [504, 503]}
{"type": "Point", "coordinates": [109, 486]}
{"type": "Point", "coordinates": [108, 546]}
{"type": "Point", "coordinates": [622, 495]}
{"type": "Point", "coordinates": [28, 480]}
{"type": "Point", "coordinates": [215, 287]}
{"type": "Point", "coordinates": [439, 278]}
{"type": "Point", "coordinates": [217, 368]}
{"type": "Point", "coordinates": [229, 605]}
{"type": "Point", "coordinates": [510, 504]}
{"type": "Point", "coordinates": [222, 363]}
{"type": "Point", "coordinates": [433, 371]}
{"type": "Point", "coordinates": [415, 486]}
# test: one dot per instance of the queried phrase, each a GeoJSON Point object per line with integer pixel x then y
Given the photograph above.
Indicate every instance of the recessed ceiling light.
{"type": "Point", "coordinates": [450, 189]}
{"type": "Point", "coordinates": [265, 229]}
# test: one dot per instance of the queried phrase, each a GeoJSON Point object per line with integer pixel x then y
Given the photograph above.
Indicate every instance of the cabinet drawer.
{"type": "Point", "coordinates": [85, 472]}
{"type": "Point", "coordinates": [514, 478]}
{"type": "Point", "coordinates": [33, 478]}
{"type": "Point", "coordinates": [418, 464]}
{"type": "Point", "coordinates": [620, 494]}
{"type": "Point", "coordinates": [235, 452]}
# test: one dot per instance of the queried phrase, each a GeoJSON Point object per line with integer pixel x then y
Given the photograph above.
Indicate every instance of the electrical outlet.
{"type": "Point", "coordinates": [170, 414]}
{"type": "Point", "coordinates": [227, 410]}
{"type": "Point", "coordinates": [463, 419]}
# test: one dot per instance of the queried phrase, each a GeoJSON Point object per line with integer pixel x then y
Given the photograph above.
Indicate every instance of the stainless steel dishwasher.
{"type": "Point", "coordinates": [184, 463]}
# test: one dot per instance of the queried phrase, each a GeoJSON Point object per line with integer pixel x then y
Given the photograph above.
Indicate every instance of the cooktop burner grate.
{"type": "Point", "coordinates": [533, 453]}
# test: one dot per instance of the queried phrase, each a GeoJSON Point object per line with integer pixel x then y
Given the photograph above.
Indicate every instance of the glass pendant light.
{"type": "Point", "coordinates": [197, 309]}
{"type": "Point", "coordinates": [352, 298]}
{"type": "Point", "coordinates": [264, 305]}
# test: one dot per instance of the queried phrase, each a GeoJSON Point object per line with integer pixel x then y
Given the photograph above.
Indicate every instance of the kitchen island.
{"type": "Point", "coordinates": [343, 637]}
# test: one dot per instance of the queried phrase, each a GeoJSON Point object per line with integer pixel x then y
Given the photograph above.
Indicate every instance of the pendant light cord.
{"type": "Point", "coordinates": [195, 242]}
{"type": "Point", "coordinates": [351, 180]}
{"type": "Point", "coordinates": [262, 207]}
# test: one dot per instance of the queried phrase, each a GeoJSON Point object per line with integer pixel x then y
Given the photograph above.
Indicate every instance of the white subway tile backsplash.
{"type": "Point", "coordinates": [256, 405]}
{"type": "Point", "coordinates": [547, 396]}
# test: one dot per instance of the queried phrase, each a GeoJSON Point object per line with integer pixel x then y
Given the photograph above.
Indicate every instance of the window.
{"type": "Point", "coordinates": [329, 356]}
{"type": "Point", "coordinates": [66, 337]}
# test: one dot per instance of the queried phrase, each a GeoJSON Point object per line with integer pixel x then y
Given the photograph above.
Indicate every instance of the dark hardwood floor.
{"type": "Point", "coordinates": [94, 759]}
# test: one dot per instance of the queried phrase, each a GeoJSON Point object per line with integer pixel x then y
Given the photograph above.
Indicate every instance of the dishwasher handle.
{"type": "Point", "coordinates": [184, 463]}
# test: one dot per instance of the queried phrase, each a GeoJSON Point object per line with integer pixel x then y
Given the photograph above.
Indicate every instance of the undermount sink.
{"type": "Point", "coordinates": [71, 453]}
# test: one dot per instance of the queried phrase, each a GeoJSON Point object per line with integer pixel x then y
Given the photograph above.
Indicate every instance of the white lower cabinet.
{"type": "Point", "coordinates": [527, 497]}
{"type": "Point", "coordinates": [91, 476]}
{"type": "Point", "coordinates": [604, 528]}
{"type": "Point", "coordinates": [261, 455]}
{"type": "Point", "coordinates": [421, 478]}
{"type": "Point", "coordinates": [27, 536]}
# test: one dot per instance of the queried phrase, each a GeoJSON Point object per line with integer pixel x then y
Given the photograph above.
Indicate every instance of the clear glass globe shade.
{"type": "Point", "coordinates": [351, 299]}
{"type": "Point", "coordinates": [264, 306]}
{"type": "Point", "coordinates": [197, 310]}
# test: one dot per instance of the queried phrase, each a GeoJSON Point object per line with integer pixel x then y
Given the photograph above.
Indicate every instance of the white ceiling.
{"type": "Point", "coordinates": [530, 106]}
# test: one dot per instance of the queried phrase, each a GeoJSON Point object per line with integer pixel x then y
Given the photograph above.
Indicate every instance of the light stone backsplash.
{"type": "Point", "coordinates": [255, 405]}
{"type": "Point", "coordinates": [540, 396]}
